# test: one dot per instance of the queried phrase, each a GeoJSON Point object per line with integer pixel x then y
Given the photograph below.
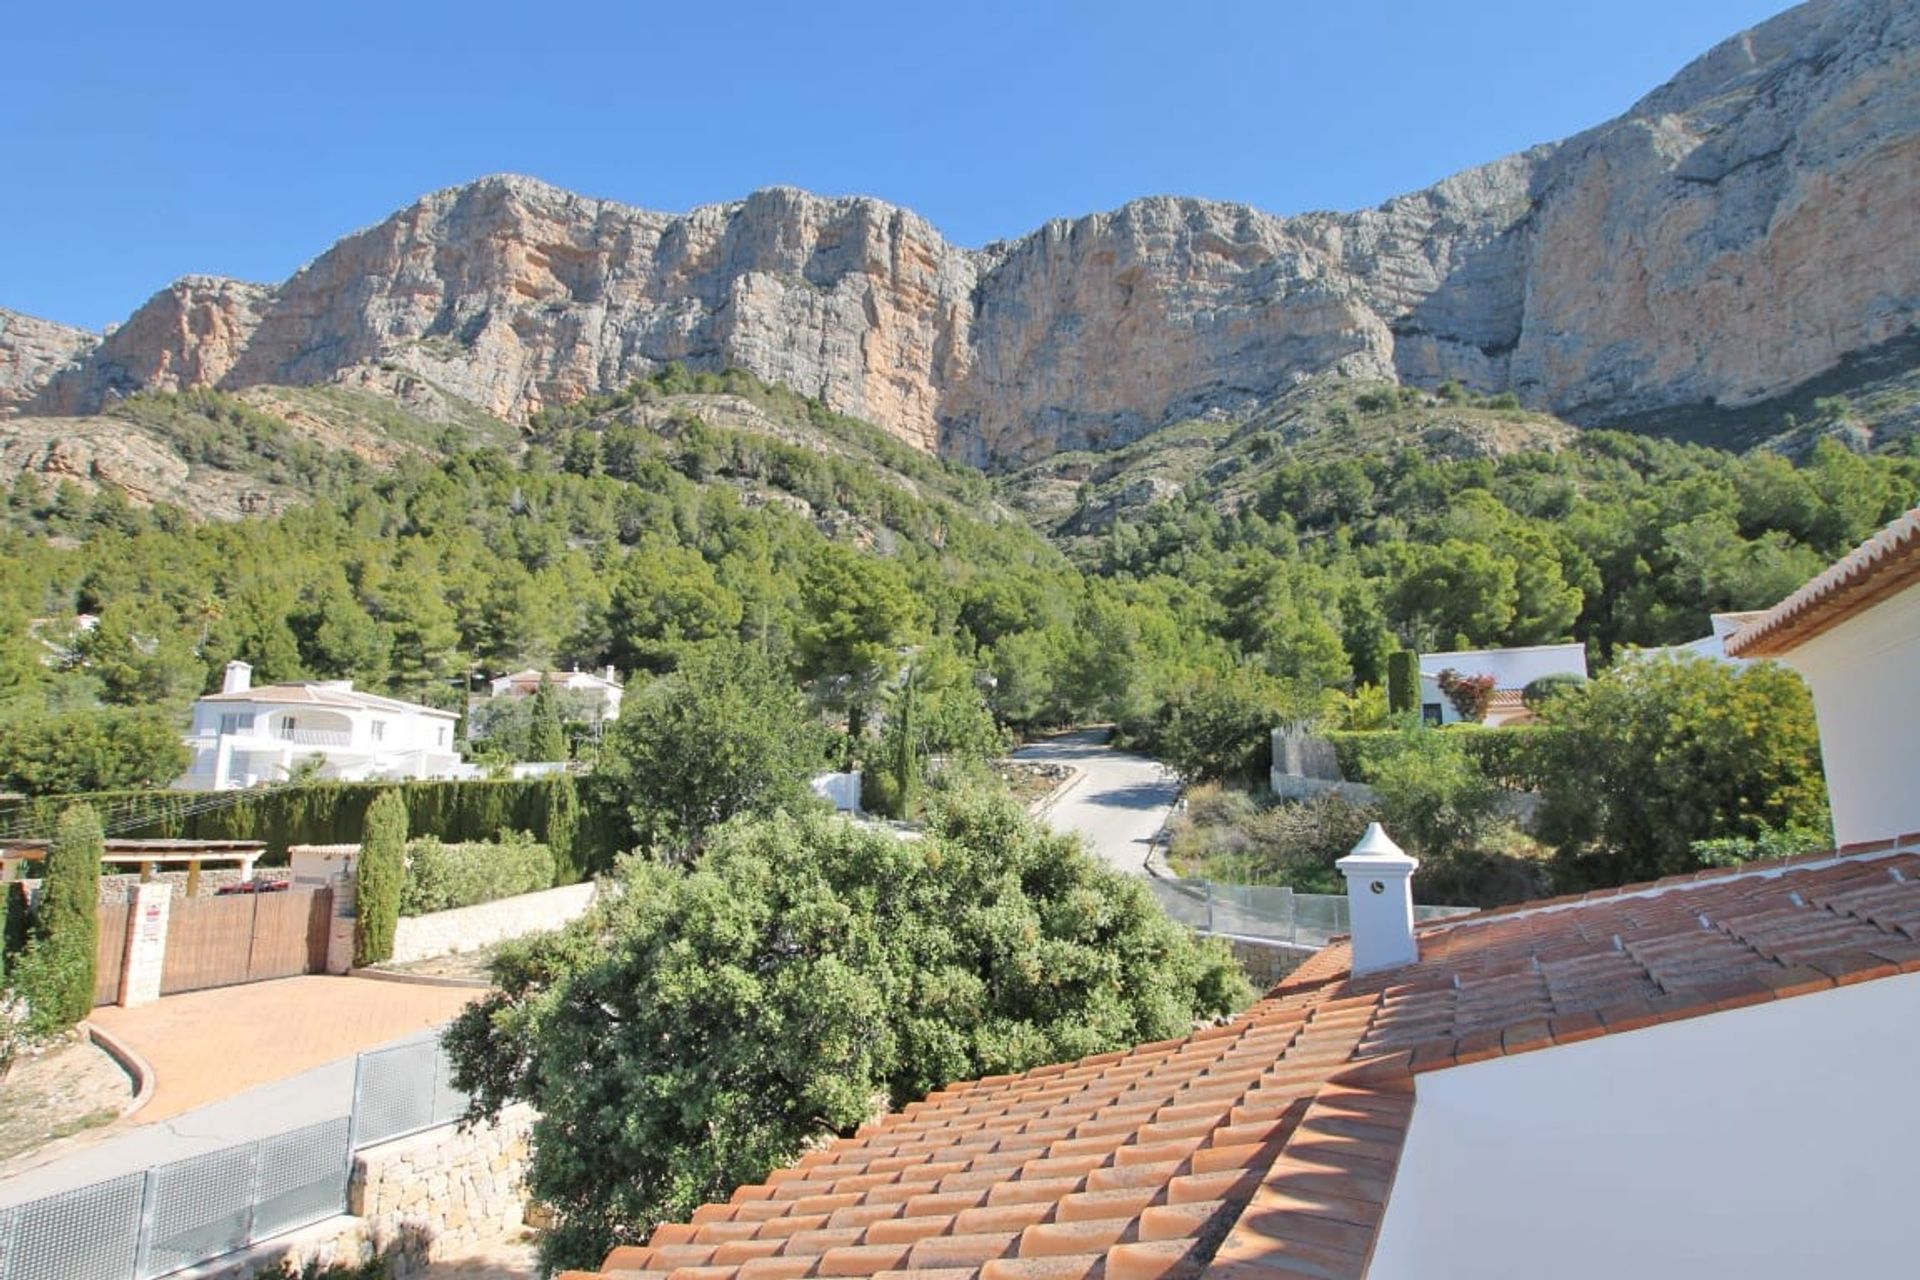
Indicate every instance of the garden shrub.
{"type": "Point", "coordinates": [704, 1026]}
{"type": "Point", "coordinates": [441, 877]}
{"type": "Point", "coordinates": [1508, 755]}
{"type": "Point", "coordinates": [1241, 838]}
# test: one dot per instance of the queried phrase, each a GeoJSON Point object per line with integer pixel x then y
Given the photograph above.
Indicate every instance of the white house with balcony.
{"type": "Point", "coordinates": [245, 736]}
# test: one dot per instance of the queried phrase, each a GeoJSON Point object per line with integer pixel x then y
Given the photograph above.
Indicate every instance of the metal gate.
{"type": "Point", "coordinates": [220, 941]}
{"type": "Point", "coordinates": [111, 953]}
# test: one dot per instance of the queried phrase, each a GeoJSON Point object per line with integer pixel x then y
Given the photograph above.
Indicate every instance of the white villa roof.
{"type": "Point", "coordinates": [326, 693]}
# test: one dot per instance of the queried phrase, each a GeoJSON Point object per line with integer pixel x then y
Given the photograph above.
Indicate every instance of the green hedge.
{"type": "Point", "coordinates": [1506, 756]}
{"type": "Point", "coordinates": [584, 838]}
{"type": "Point", "coordinates": [441, 877]}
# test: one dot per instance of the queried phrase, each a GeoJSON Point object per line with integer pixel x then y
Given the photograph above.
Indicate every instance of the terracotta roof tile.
{"type": "Point", "coordinates": [1267, 1148]}
{"type": "Point", "coordinates": [1887, 563]}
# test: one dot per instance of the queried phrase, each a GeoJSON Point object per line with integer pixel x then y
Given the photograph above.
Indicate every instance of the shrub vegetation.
{"type": "Point", "coordinates": [703, 1027]}
{"type": "Point", "coordinates": [441, 877]}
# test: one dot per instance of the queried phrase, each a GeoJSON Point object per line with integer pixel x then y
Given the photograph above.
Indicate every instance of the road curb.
{"type": "Point", "coordinates": [1044, 805]}
{"type": "Point", "coordinates": [420, 979]}
{"type": "Point", "coordinates": [130, 1061]}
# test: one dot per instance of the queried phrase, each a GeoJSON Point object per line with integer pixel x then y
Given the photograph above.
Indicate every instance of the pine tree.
{"type": "Point", "coordinates": [379, 877]}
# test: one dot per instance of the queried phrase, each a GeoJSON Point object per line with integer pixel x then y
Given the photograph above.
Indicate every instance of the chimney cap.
{"type": "Point", "coordinates": [1376, 853]}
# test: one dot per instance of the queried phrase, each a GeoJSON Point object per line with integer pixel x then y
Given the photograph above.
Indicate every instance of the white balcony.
{"type": "Point", "coordinates": [314, 737]}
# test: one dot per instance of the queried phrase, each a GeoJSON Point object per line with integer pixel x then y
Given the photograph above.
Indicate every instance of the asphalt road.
{"type": "Point", "coordinates": [1118, 801]}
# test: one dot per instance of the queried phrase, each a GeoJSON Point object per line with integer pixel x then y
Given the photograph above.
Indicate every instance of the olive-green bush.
{"type": "Point", "coordinates": [441, 877]}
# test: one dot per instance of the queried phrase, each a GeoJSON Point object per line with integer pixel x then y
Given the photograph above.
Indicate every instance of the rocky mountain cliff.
{"type": "Point", "coordinates": [1742, 229]}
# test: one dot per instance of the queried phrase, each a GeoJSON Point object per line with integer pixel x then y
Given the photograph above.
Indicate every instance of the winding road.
{"type": "Point", "coordinates": [1117, 801]}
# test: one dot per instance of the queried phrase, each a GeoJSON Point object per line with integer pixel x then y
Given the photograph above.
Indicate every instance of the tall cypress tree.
{"type": "Point", "coordinates": [378, 878]}
{"type": "Point", "coordinates": [547, 738]}
{"type": "Point", "coordinates": [67, 926]}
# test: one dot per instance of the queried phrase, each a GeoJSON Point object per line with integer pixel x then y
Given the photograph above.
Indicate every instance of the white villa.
{"type": "Point", "coordinates": [1512, 671]}
{"type": "Point", "coordinates": [1713, 645]}
{"type": "Point", "coordinates": [601, 692]}
{"type": "Point", "coordinates": [244, 737]}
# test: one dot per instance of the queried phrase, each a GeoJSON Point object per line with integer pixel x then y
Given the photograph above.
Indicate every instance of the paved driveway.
{"type": "Point", "coordinates": [1118, 801]}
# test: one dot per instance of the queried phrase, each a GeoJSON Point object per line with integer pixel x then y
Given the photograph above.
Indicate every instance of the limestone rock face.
{"type": "Point", "coordinates": [32, 351]}
{"type": "Point", "coordinates": [1739, 230]}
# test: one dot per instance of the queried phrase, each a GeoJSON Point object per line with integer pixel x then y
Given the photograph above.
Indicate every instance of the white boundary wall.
{"type": "Point", "coordinates": [469, 928]}
{"type": "Point", "coordinates": [1768, 1143]}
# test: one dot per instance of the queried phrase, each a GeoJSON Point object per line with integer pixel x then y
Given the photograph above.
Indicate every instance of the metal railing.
{"type": "Point", "coordinates": [314, 737]}
{"type": "Point", "coordinates": [141, 1226]}
{"type": "Point", "coordinates": [1271, 912]}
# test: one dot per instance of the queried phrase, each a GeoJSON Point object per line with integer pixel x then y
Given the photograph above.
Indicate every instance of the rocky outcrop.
{"type": "Point", "coordinates": [1740, 230]}
{"type": "Point", "coordinates": [32, 351]}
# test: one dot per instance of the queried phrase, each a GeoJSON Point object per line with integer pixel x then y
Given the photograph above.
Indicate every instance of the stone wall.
{"type": "Point", "coordinates": [470, 928]}
{"type": "Point", "coordinates": [1266, 962]}
{"type": "Point", "coordinates": [113, 888]}
{"type": "Point", "coordinates": [426, 1195]}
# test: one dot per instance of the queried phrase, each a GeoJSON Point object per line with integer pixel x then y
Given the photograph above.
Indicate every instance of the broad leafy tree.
{"type": "Point", "coordinates": [702, 1028]}
{"type": "Point", "coordinates": [726, 734]}
{"type": "Point", "coordinates": [1657, 754]}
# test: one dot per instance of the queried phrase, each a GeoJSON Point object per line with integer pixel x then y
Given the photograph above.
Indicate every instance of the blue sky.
{"type": "Point", "coordinates": [152, 141]}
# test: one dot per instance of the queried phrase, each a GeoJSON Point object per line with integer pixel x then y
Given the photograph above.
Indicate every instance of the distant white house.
{"type": "Point", "coordinates": [1853, 634]}
{"type": "Point", "coordinates": [601, 693]}
{"type": "Point", "coordinates": [1708, 646]}
{"type": "Point", "coordinates": [1512, 671]}
{"type": "Point", "coordinates": [243, 736]}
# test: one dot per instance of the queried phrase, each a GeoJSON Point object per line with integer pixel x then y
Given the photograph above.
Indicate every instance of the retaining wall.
{"type": "Point", "coordinates": [437, 1191]}
{"type": "Point", "coordinates": [1266, 962]}
{"type": "Point", "coordinates": [445, 933]}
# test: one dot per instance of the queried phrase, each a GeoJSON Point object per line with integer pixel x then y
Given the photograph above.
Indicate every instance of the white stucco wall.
{"type": "Point", "coordinates": [1769, 1142]}
{"type": "Point", "coordinates": [445, 933]}
{"type": "Point", "coordinates": [1865, 675]}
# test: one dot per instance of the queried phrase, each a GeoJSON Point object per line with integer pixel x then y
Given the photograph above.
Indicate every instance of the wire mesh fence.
{"type": "Point", "coordinates": [89, 1231]}
{"type": "Point", "coordinates": [142, 1226]}
{"type": "Point", "coordinates": [402, 1090]}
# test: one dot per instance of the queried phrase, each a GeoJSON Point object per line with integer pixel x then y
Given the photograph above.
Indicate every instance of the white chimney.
{"type": "Point", "coordinates": [1380, 901]}
{"type": "Point", "coordinates": [239, 677]}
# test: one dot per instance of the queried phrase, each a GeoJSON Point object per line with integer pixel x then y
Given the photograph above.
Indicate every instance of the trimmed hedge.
{"type": "Point", "coordinates": [1507, 756]}
{"type": "Point", "coordinates": [441, 877]}
{"type": "Point", "coordinates": [584, 837]}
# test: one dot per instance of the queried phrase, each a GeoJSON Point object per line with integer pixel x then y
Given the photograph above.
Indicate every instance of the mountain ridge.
{"type": "Point", "coordinates": [1739, 230]}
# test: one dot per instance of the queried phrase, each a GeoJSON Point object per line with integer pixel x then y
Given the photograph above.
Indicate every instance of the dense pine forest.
{"type": "Point", "coordinates": [633, 529]}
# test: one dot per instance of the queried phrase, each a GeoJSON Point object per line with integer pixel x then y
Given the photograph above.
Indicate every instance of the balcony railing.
{"type": "Point", "coordinates": [314, 737]}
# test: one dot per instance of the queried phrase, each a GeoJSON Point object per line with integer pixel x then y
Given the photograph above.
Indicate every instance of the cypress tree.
{"type": "Point", "coordinates": [905, 763]}
{"type": "Point", "coordinates": [1403, 681]}
{"type": "Point", "coordinates": [68, 922]}
{"type": "Point", "coordinates": [379, 877]}
{"type": "Point", "coordinates": [547, 738]}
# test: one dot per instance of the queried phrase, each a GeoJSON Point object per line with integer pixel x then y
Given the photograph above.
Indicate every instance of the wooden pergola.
{"type": "Point", "coordinates": [147, 854]}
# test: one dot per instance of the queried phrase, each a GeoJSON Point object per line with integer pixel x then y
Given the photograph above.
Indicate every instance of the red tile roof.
{"type": "Point", "coordinates": [1887, 563]}
{"type": "Point", "coordinates": [1271, 1144]}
